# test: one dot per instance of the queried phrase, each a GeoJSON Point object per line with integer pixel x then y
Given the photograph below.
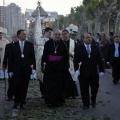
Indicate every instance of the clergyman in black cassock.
{"type": "Point", "coordinates": [70, 86]}
{"type": "Point", "coordinates": [55, 56]}
{"type": "Point", "coordinates": [22, 59]}
{"type": "Point", "coordinates": [47, 35]}
{"type": "Point", "coordinates": [89, 77]}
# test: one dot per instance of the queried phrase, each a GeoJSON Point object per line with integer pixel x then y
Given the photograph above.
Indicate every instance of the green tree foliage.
{"type": "Point", "coordinates": [90, 7]}
{"type": "Point", "coordinates": [86, 2]}
{"type": "Point", "coordinates": [95, 6]}
{"type": "Point", "coordinates": [75, 16]}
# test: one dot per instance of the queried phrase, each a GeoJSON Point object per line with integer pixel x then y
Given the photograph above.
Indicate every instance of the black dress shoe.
{"type": "Point", "coordinates": [9, 99]}
{"type": "Point", "coordinates": [94, 105]}
{"type": "Point", "coordinates": [15, 105]}
{"type": "Point", "coordinates": [42, 97]}
{"type": "Point", "coordinates": [115, 82]}
{"type": "Point", "coordinates": [22, 106]}
{"type": "Point", "coordinates": [73, 97]}
{"type": "Point", "coordinates": [85, 107]}
{"type": "Point", "coordinates": [50, 106]}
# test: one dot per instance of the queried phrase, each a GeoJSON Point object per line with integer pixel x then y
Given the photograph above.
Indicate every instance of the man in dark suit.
{"type": "Point", "coordinates": [22, 61]}
{"type": "Point", "coordinates": [114, 59]}
{"type": "Point", "coordinates": [6, 64]}
{"type": "Point", "coordinates": [111, 34]}
{"type": "Point", "coordinates": [89, 56]}
{"type": "Point", "coordinates": [77, 41]}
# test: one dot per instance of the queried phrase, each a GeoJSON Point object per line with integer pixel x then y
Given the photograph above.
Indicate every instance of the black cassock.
{"type": "Point", "coordinates": [70, 86]}
{"type": "Point", "coordinates": [56, 57]}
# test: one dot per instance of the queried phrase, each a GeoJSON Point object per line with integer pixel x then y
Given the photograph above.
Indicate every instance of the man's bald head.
{"type": "Point", "coordinates": [87, 38]}
{"type": "Point", "coordinates": [57, 35]}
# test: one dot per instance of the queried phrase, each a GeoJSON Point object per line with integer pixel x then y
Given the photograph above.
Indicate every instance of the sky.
{"type": "Point", "coordinates": [60, 6]}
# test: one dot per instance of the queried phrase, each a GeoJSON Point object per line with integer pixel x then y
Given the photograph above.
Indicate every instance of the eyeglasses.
{"type": "Point", "coordinates": [88, 37]}
{"type": "Point", "coordinates": [50, 32]}
{"type": "Point", "coordinates": [64, 33]}
{"type": "Point", "coordinates": [57, 34]}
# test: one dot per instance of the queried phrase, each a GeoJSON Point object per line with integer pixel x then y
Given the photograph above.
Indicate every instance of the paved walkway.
{"type": "Point", "coordinates": [108, 105]}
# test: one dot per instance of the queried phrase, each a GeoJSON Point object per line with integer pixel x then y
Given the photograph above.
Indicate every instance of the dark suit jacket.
{"type": "Point", "coordinates": [19, 64]}
{"type": "Point", "coordinates": [112, 52]}
{"type": "Point", "coordinates": [77, 44]}
{"type": "Point", "coordinates": [6, 60]}
{"type": "Point", "coordinates": [89, 65]}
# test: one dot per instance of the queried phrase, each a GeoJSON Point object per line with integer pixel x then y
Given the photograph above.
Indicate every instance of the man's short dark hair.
{"type": "Point", "coordinates": [116, 36]}
{"type": "Point", "coordinates": [111, 33]}
{"type": "Point", "coordinates": [19, 32]}
{"type": "Point", "coordinates": [1, 33]}
{"type": "Point", "coordinates": [90, 33]}
{"type": "Point", "coordinates": [65, 30]}
{"type": "Point", "coordinates": [47, 29]}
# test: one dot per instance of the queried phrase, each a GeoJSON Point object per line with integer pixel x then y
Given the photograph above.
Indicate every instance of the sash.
{"type": "Point", "coordinates": [54, 58]}
{"type": "Point", "coordinates": [71, 51]}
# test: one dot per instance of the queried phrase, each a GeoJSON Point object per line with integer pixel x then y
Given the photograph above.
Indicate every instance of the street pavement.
{"type": "Point", "coordinates": [108, 105]}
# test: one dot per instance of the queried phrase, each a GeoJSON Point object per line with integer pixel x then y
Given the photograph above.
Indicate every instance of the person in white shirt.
{"type": "Point", "coordinates": [114, 59]}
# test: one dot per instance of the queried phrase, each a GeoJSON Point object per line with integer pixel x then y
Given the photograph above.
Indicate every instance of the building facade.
{"type": "Point", "coordinates": [14, 19]}
{"type": "Point", "coordinates": [1, 16]}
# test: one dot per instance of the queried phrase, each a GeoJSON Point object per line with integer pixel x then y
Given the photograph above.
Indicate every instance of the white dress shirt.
{"type": "Point", "coordinates": [20, 44]}
{"type": "Point", "coordinates": [87, 48]}
{"type": "Point", "coordinates": [88, 45]}
{"type": "Point", "coordinates": [116, 54]}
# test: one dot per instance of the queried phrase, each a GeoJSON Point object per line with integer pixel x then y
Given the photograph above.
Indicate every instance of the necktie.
{"type": "Point", "coordinates": [88, 49]}
{"type": "Point", "coordinates": [116, 50]}
{"type": "Point", "coordinates": [21, 47]}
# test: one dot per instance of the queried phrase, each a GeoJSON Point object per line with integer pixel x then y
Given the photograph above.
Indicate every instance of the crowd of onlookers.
{"type": "Point", "coordinates": [103, 41]}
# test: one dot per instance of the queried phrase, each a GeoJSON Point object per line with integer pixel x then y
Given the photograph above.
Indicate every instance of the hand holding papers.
{"type": "Point", "coordinates": [77, 73]}
{"type": "Point", "coordinates": [43, 67]}
{"type": "Point", "coordinates": [101, 74]}
{"type": "Point", "coordinates": [10, 74]}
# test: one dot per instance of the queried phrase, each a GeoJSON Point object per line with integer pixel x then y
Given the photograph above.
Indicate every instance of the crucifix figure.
{"type": "Point", "coordinates": [38, 3]}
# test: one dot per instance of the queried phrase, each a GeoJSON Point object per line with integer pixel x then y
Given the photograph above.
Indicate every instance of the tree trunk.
{"type": "Point", "coordinates": [106, 27]}
{"type": "Point", "coordinates": [90, 30]}
{"type": "Point", "coordinates": [117, 24]}
{"type": "Point", "coordinates": [97, 27]}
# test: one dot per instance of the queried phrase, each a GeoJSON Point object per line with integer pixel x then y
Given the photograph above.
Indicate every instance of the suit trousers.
{"type": "Point", "coordinates": [10, 87]}
{"type": "Point", "coordinates": [41, 87]}
{"type": "Point", "coordinates": [85, 84]}
{"type": "Point", "coordinates": [116, 69]}
{"type": "Point", "coordinates": [20, 87]}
